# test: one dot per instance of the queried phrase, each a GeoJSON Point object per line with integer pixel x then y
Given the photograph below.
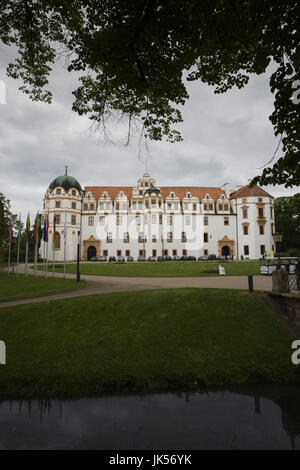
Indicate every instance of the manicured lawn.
{"type": "Point", "coordinates": [164, 269]}
{"type": "Point", "coordinates": [175, 339]}
{"type": "Point", "coordinates": [16, 288]}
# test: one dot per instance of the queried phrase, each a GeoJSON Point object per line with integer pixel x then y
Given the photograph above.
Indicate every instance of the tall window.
{"type": "Point", "coordinates": [262, 250]}
{"type": "Point", "coordinates": [117, 206]}
{"type": "Point", "coordinates": [205, 220]}
{"type": "Point", "coordinates": [220, 207]}
{"type": "Point", "coordinates": [142, 237]}
{"type": "Point", "coordinates": [91, 220]}
{"type": "Point", "coordinates": [245, 229]}
{"type": "Point", "coordinates": [226, 207]}
{"type": "Point", "coordinates": [154, 238]}
{"type": "Point", "coordinates": [153, 202]}
{"type": "Point", "coordinates": [160, 218]}
{"type": "Point", "coordinates": [119, 220]}
{"type": "Point", "coordinates": [133, 204]}
{"type": "Point", "coordinates": [211, 207]}
{"type": "Point", "coordinates": [85, 207]}
{"type": "Point", "coordinates": [57, 219]}
{"type": "Point", "coordinates": [126, 237]}
{"type": "Point", "coordinates": [205, 237]}
{"type": "Point", "coordinates": [57, 204]}
{"type": "Point", "coordinates": [271, 212]}
{"type": "Point", "coordinates": [261, 212]}
{"type": "Point", "coordinates": [73, 205]}
{"type": "Point", "coordinates": [57, 241]}
{"type": "Point", "coordinates": [73, 192]}
{"type": "Point", "coordinates": [187, 220]}
{"type": "Point", "coordinates": [102, 219]}
{"type": "Point", "coordinates": [169, 237]}
{"type": "Point", "coordinates": [183, 237]}
{"type": "Point", "coordinates": [245, 213]}
{"type": "Point", "coordinates": [205, 207]}
{"type": "Point", "coordinates": [58, 191]}
{"type": "Point", "coordinates": [140, 205]}
{"type": "Point", "coordinates": [194, 207]}
{"type": "Point", "coordinates": [153, 219]}
{"type": "Point", "coordinates": [246, 250]}
{"type": "Point", "coordinates": [109, 237]}
{"type": "Point", "coordinates": [261, 230]}
{"type": "Point", "coordinates": [92, 207]}
{"type": "Point", "coordinates": [226, 220]}
{"type": "Point", "coordinates": [170, 220]}
{"type": "Point", "coordinates": [138, 220]}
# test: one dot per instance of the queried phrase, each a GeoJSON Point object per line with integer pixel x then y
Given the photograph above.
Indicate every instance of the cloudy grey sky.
{"type": "Point", "coordinates": [226, 139]}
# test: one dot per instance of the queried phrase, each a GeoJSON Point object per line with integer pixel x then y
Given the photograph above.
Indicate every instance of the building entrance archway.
{"type": "Point", "coordinates": [91, 251]}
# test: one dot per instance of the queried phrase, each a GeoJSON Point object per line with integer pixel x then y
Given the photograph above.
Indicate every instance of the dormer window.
{"type": "Point", "coordinates": [58, 191]}
{"type": "Point", "coordinates": [73, 192]}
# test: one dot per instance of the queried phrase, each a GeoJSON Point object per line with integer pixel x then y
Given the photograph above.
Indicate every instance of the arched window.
{"type": "Point", "coordinates": [56, 243]}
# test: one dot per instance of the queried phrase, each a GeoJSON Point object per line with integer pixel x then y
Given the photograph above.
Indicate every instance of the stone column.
{"type": "Point", "coordinates": [280, 280]}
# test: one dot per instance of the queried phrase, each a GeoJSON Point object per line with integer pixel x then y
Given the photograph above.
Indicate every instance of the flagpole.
{"type": "Point", "coordinates": [53, 245]}
{"type": "Point", "coordinates": [19, 241]}
{"type": "Point", "coordinates": [47, 259]}
{"type": "Point", "coordinates": [27, 242]}
{"type": "Point", "coordinates": [26, 258]}
{"type": "Point", "coordinates": [36, 237]}
{"type": "Point", "coordinates": [47, 241]}
{"type": "Point", "coordinates": [65, 242]}
{"type": "Point", "coordinates": [44, 260]}
{"type": "Point", "coordinates": [9, 248]}
{"type": "Point", "coordinates": [53, 250]}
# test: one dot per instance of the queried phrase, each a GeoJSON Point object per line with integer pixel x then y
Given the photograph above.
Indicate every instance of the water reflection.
{"type": "Point", "coordinates": [239, 418]}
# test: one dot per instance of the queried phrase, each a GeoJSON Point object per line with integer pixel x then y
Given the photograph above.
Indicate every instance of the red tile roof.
{"type": "Point", "coordinates": [180, 191]}
{"type": "Point", "coordinates": [245, 191]}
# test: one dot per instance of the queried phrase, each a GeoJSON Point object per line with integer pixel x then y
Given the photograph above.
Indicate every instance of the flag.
{"type": "Point", "coordinates": [27, 230]}
{"type": "Point", "coordinates": [46, 229]}
{"type": "Point", "coordinates": [36, 228]}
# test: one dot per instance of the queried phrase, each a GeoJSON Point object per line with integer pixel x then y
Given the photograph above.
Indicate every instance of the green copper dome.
{"type": "Point", "coordinates": [66, 182]}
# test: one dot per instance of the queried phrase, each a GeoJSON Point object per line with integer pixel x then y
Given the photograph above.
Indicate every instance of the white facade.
{"type": "Point", "coordinates": [153, 221]}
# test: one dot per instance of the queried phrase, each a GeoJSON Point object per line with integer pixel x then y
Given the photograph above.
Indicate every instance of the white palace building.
{"type": "Point", "coordinates": [152, 221]}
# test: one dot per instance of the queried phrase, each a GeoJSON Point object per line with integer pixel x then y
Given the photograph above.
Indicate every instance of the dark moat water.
{"type": "Point", "coordinates": [257, 418]}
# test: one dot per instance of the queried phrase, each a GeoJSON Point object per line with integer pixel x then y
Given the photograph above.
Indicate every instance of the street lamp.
{"type": "Point", "coordinates": [277, 237]}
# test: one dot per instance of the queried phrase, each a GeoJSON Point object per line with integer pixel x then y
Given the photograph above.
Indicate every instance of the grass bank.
{"type": "Point", "coordinates": [141, 342]}
{"type": "Point", "coordinates": [17, 288]}
{"type": "Point", "coordinates": [164, 269]}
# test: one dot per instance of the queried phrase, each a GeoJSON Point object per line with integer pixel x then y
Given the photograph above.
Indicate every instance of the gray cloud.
{"type": "Point", "coordinates": [226, 139]}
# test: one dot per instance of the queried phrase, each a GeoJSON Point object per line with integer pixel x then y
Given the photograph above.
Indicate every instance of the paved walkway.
{"type": "Point", "coordinates": [109, 284]}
